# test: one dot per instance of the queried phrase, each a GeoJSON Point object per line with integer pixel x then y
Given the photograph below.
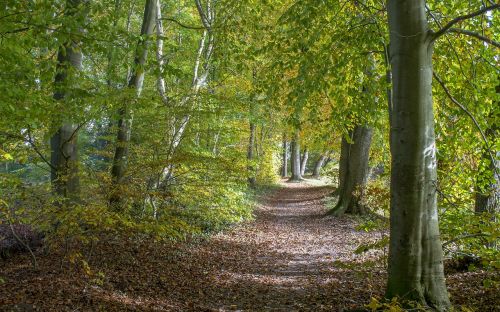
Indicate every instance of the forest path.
{"type": "Point", "coordinates": [288, 259]}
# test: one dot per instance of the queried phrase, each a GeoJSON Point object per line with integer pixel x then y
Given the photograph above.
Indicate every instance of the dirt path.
{"type": "Point", "coordinates": [291, 258]}
{"type": "Point", "coordinates": [288, 258]}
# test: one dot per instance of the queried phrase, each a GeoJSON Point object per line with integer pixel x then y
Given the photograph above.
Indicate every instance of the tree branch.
{"type": "Point", "coordinates": [203, 16]}
{"type": "Point", "coordinates": [453, 240]}
{"type": "Point", "coordinates": [462, 107]}
{"type": "Point", "coordinates": [15, 31]}
{"type": "Point", "coordinates": [458, 19]}
{"type": "Point", "coordinates": [182, 24]}
{"type": "Point", "coordinates": [475, 35]}
{"type": "Point", "coordinates": [35, 148]}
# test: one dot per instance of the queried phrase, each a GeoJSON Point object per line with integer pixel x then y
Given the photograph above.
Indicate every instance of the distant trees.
{"type": "Point", "coordinates": [284, 157]}
{"type": "Point", "coordinates": [303, 161]}
{"type": "Point", "coordinates": [295, 158]}
{"type": "Point", "coordinates": [319, 165]}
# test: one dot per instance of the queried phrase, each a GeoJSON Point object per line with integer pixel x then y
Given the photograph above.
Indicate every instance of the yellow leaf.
{"type": "Point", "coordinates": [374, 304]}
{"type": "Point", "coordinates": [7, 156]}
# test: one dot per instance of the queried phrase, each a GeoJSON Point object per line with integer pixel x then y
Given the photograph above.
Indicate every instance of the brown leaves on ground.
{"type": "Point", "coordinates": [291, 258]}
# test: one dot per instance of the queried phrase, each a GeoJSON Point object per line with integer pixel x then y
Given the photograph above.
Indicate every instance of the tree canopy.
{"type": "Point", "coordinates": [168, 121]}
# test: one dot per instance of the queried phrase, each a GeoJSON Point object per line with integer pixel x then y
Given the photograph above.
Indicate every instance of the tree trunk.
{"type": "Point", "coordinates": [64, 143]}
{"type": "Point", "coordinates": [250, 156]}
{"type": "Point", "coordinates": [343, 162]}
{"type": "Point", "coordinates": [303, 163]}
{"type": "Point", "coordinates": [284, 167]}
{"type": "Point", "coordinates": [415, 269]}
{"type": "Point", "coordinates": [125, 112]}
{"type": "Point", "coordinates": [317, 167]}
{"type": "Point", "coordinates": [295, 157]}
{"type": "Point", "coordinates": [488, 194]}
{"type": "Point", "coordinates": [353, 171]}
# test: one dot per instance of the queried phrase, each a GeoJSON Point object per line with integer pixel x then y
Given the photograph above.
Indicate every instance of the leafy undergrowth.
{"type": "Point", "coordinates": [291, 258]}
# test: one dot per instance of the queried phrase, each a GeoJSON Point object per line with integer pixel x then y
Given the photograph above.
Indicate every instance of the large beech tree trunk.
{"type": "Point", "coordinates": [284, 166]}
{"type": "Point", "coordinates": [415, 269]}
{"type": "Point", "coordinates": [64, 143]}
{"type": "Point", "coordinates": [125, 113]}
{"type": "Point", "coordinates": [303, 162]}
{"type": "Point", "coordinates": [353, 170]}
{"type": "Point", "coordinates": [318, 165]}
{"type": "Point", "coordinates": [295, 158]}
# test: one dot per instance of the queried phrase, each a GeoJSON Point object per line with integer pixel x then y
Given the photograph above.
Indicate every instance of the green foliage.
{"type": "Point", "coordinates": [315, 66]}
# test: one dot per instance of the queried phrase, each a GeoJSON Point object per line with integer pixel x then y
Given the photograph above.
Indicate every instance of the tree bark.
{"type": "Point", "coordinates": [295, 158]}
{"type": "Point", "coordinates": [64, 143]}
{"type": "Point", "coordinates": [250, 156]}
{"type": "Point", "coordinates": [488, 194]}
{"type": "Point", "coordinates": [343, 162]}
{"type": "Point", "coordinates": [353, 171]}
{"type": "Point", "coordinates": [318, 165]}
{"type": "Point", "coordinates": [415, 269]}
{"type": "Point", "coordinates": [284, 166]}
{"type": "Point", "coordinates": [303, 163]}
{"type": "Point", "coordinates": [125, 113]}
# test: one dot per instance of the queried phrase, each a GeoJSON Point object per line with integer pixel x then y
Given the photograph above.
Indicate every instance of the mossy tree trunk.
{"type": "Point", "coordinates": [125, 113]}
{"type": "Point", "coordinates": [353, 171]}
{"type": "Point", "coordinates": [64, 142]}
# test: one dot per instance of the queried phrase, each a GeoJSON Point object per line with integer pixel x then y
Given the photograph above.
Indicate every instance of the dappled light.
{"type": "Point", "coordinates": [250, 155]}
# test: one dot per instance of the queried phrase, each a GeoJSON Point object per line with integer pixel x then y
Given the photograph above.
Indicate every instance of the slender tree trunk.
{"type": "Point", "coordinates": [64, 143]}
{"type": "Point", "coordinates": [125, 112]}
{"type": "Point", "coordinates": [488, 194]}
{"type": "Point", "coordinates": [303, 163]}
{"type": "Point", "coordinates": [250, 156]}
{"type": "Point", "coordinates": [318, 165]}
{"type": "Point", "coordinates": [388, 79]}
{"type": "Point", "coordinates": [284, 167]}
{"type": "Point", "coordinates": [201, 71]}
{"type": "Point", "coordinates": [354, 171]}
{"type": "Point", "coordinates": [415, 252]}
{"type": "Point", "coordinates": [295, 158]}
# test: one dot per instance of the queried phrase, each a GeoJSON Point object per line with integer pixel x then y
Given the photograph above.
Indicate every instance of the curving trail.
{"type": "Point", "coordinates": [288, 259]}
{"type": "Point", "coordinates": [291, 258]}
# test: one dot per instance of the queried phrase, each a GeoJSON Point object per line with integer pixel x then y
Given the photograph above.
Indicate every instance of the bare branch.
{"type": "Point", "coordinates": [182, 24]}
{"type": "Point", "coordinates": [475, 35]}
{"type": "Point", "coordinates": [35, 148]}
{"type": "Point", "coordinates": [25, 245]}
{"type": "Point", "coordinates": [453, 240]}
{"type": "Point", "coordinates": [462, 107]}
{"type": "Point", "coordinates": [458, 19]}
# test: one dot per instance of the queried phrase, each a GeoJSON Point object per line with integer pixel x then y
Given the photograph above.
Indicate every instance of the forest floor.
{"type": "Point", "coordinates": [291, 258]}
